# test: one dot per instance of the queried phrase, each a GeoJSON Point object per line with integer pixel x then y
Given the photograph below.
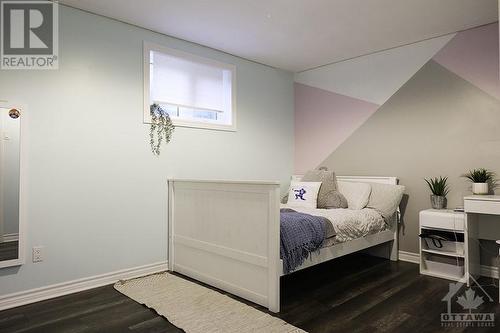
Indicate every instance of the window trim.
{"type": "Point", "coordinates": [148, 47]}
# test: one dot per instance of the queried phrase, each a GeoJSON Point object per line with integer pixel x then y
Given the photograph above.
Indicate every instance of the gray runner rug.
{"type": "Point", "coordinates": [197, 309]}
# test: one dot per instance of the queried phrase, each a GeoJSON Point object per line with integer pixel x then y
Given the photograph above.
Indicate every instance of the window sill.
{"type": "Point", "coordinates": [200, 125]}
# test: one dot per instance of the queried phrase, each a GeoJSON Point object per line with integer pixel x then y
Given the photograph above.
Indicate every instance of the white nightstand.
{"type": "Point", "coordinates": [456, 258]}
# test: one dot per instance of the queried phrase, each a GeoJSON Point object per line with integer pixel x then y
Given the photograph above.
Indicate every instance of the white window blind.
{"type": "Point", "coordinates": [191, 89]}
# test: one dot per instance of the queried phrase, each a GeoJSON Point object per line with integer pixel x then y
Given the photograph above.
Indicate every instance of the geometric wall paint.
{"type": "Point", "coordinates": [473, 55]}
{"type": "Point", "coordinates": [375, 77]}
{"type": "Point", "coordinates": [444, 120]}
{"type": "Point", "coordinates": [323, 121]}
{"type": "Point", "coordinates": [437, 124]}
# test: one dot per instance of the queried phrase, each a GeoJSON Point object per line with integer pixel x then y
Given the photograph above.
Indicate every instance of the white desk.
{"type": "Point", "coordinates": [482, 204]}
{"type": "Point", "coordinates": [486, 208]}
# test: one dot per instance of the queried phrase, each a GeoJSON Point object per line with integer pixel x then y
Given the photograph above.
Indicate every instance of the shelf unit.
{"type": "Point", "coordinates": [444, 253]}
{"type": "Point", "coordinates": [456, 265]}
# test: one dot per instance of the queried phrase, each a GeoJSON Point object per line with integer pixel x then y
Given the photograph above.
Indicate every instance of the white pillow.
{"type": "Point", "coordinates": [303, 194]}
{"type": "Point", "coordinates": [385, 198]}
{"type": "Point", "coordinates": [357, 194]}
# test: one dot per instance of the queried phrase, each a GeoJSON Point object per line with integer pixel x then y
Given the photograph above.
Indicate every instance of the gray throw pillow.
{"type": "Point", "coordinates": [385, 198]}
{"type": "Point", "coordinates": [328, 196]}
{"type": "Point", "coordinates": [284, 200]}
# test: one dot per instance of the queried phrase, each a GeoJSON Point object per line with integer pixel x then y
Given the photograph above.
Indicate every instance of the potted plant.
{"type": "Point", "coordinates": [439, 189]}
{"type": "Point", "coordinates": [480, 179]}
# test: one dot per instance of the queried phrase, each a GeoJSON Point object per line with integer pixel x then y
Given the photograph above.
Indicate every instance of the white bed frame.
{"type": "Point", "coordinates": [226, 234]}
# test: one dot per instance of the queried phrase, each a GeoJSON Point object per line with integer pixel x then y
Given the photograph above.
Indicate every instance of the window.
{"type": "Point", "coordinates": [195, 91]}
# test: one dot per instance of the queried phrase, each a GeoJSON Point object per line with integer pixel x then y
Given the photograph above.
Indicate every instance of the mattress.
{"type": "Point", "coordinates": [347, 224]}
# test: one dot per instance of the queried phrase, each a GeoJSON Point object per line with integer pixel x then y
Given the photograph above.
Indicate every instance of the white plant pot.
{"type": "Point", "coordinates": [480, 188]}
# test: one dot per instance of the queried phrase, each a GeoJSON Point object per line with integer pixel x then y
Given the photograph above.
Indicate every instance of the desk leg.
{"type": "Point", "coordinates": [472, 259]}
{"type": "Point", "coordinates": [498, 263]}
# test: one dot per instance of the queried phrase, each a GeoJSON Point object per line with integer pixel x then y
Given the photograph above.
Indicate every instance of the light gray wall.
{"type": "Point", "coordinates": [436, 124]}
{"type": "Point", "coordinates": [96, 195]}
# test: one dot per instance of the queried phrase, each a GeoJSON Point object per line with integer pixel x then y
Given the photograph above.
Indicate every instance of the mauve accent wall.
{"type": "Point", "coordinates": [473, 55]}
{"type": "Point", "coordinates": [319, 111]}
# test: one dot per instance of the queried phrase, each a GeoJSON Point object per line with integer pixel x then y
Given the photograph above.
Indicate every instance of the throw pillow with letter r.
{"type": "Point", "coordinates": [303, 194]}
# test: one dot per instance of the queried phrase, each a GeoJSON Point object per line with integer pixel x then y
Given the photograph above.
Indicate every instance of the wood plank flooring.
{"type": "Point", "coordinates": [356, 293]}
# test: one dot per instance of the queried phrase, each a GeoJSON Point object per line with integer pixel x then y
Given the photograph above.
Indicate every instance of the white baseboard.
{"type": "Point", "coordinates": [409, 257]}
{"type": "Point", "coordinates": [489, 271]}
{"type": "Point", "coordinates": [10, 237]}
{"type": "Point", "coordinates": [39, 294]}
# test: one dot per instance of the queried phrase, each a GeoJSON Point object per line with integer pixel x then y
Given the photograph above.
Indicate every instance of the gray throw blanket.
{"type": "Point", "coordinates": [301, 234]}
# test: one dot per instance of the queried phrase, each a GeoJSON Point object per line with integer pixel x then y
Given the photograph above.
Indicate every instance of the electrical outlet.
{"type": "Point", "coordinates": [37, 253]}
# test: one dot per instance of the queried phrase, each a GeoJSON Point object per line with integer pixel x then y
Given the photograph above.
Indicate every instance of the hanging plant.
{"type": "Point", "coordinates": [161, 125]}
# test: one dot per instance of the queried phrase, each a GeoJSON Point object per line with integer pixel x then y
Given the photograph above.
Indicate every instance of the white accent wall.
{"type": "Point", "coordinates": [96, 195]}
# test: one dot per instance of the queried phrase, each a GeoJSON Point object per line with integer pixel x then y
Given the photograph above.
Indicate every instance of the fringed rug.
{"type": "Point", "coordinates": [197, 309]}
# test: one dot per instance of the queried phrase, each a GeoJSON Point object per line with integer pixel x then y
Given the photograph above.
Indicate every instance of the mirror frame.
{"type": "Point", "coordinates": [22, 185]}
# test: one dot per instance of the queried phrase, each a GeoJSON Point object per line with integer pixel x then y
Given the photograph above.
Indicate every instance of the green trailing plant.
{"type": "Point", "coordinates": [480, 175]}
{"type": "Point", "coordinates": [161, 127]}
{"type": "Point", "coordinates": [438, 186]}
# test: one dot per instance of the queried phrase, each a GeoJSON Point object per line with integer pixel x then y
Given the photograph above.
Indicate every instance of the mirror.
{"type": "Point", "coordinates": [10, 130]}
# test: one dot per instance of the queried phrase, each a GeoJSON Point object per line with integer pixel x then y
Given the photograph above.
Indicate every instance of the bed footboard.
{"type": "Point", "coordinates": [226, 234]}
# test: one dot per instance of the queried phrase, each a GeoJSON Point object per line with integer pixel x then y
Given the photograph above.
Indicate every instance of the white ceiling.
{"type": "Point", "coordinates": [298, 34]}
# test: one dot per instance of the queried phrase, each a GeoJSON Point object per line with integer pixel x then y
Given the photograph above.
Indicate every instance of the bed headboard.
{"type": "Point", "coordinates": [362, 179]}
{"type": "Point", "coordinates": [365, 179]}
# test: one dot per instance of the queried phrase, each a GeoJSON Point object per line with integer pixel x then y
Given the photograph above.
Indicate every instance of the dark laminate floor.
{"type": "Point", "coordinates": [8, 250]}
{"type": "Point", "coordinates": [352, 294]}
